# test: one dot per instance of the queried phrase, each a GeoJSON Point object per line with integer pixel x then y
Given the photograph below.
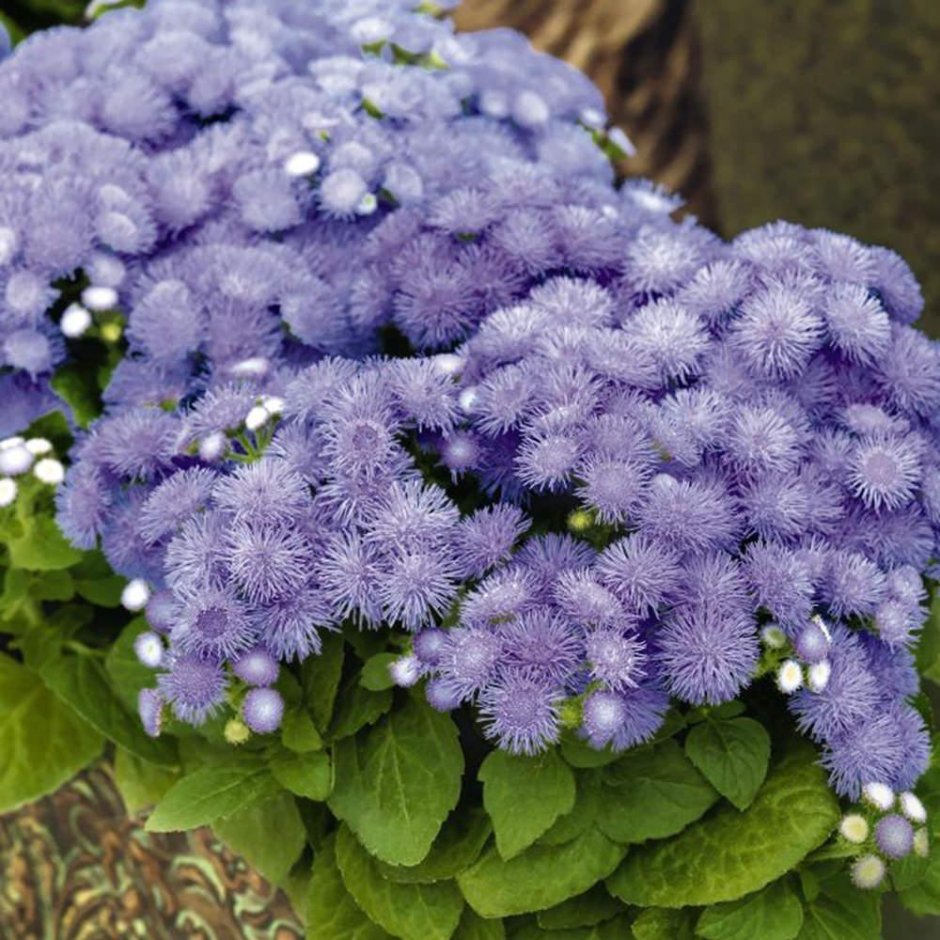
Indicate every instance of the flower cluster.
{"type": "Point", "coordinates": [248, 184]}
{"type": "Point", "coordinates": [615, 451]}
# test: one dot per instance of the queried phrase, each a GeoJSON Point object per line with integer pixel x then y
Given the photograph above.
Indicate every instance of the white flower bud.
{"type": "Point", "coordinates": [149, 649]}
{"type": "Point", "coordinates": [789, 676]}
{"type": "Point", "coordinates": [593, 118]}
{"type": "Point", "coordinates": [367, 205]}
{"type": "Point", "coordinates": [7, 492]}
{"type": "Point", "coordinates": [15, 460]}
{"type": "Point", "coordinates": [49, 470]}
{"type": "Point", "coordinates": [75, 321]}
{"type": "Point", "coordinates": [868, 872]}
{"type": "Point", "coordinates": [272, 404]}
{"type": "Point", "coordinates": [912, 807]}
{"type": "Point", "coordinates": [302, 163]}
{"type": "Point", "coordinates": [100, 298]}
{"type": "Point", "coordinates": [773, 637]}
{"type": "Point", "coordinates": [880, 795]}
{"type": "Point", "coordinates": [8, 244]}
{"type": "Point", "coordinates": [620, 140]}
{"type": "Point", "coordinates": [822, 626]}
{"type": "Point", "coordinates": [38, 446]}
{"type": "Point", "coordinates": [255, 366]}
{"type": "Point", "coordinates": [921, 843]}
{"type": "Point", "coordinates": [9, 442]}
{"type": "Point", "coordinates": [406, 671]}
{"type": "Point", "coordinates": [468, 398]}
{"type": "Point", "coordinates": [135, 595]}
{"type": "Point", "coordinates": [854, 828]}
{"type": "Point", "coordinates": [212, 447]}
{"type": "Point", "coordinates": [819, 674]}
{"type": "Point", "coordinates": [257, 418]}
{"type": "Point", "coordinates": [449, 364]}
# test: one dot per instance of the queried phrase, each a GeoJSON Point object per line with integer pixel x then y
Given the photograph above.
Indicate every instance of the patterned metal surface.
{"type": "Point", "coordinates": [75, 866]}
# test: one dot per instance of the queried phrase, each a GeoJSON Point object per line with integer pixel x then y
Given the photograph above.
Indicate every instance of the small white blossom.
{"type": "Point", "coordinates": [468, 398]}
{"type": "Point", "coordinates": [15, 460]}
{"type": "Point", "coordinates": [921, 843]}
{"type": "Point", "coordinates": [75, 321]}
{"type": "Point", "coordinates": [620, 140]}
{"type": "Point", "coordinates": [449, 364]}
{"type": "Point", "coordinates": [272, 404]}
{"type": "Point", "coordinates": [212, 447]}
{"type": "Point", "coordinates": [7, 491]}
{"type": "Point", "coordinates": [49, 470]}
{"type": "Point", "coordinates": [149, 649]}
{"type": "Point", "coordinates": [773, 637]}
{"type": "Point", "coordinates": [38, 446]}
{"type": "Point", "coordinates": [912, 807]}
{"type": "Point", "coordinates": [367, 205]}
{"type": "Point", "coordinates": [100, 298]}
{"type": "Point", "coordinates": [868, 872]}
{"type": "Point", "coordinates": [257, 418]}
{"type": "Point", "coordinates": [257, 365]}
{"type": "Point", "coordinates": [302, 163]}
{"type": "Point", "coordinates": [819, 674]}
{"type": "Point", "coordinates": [789, 676]}
{"type": "Point", "coordinates": [880, 795]}
{"type": "Point", "coordinates": [9, 442]}
{"type": "Point", "coordinates": [135, 595]}
{"type": "Point", "coordinates": [405, 671]}
{"type": "Point", "coordinates": [854, 828]}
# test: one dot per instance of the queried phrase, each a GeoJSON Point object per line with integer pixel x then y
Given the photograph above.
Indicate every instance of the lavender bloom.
{"type": "Point", "coordinates": [195, 688]}
{"type": "Point", "coordinates": [521, 713]}
{"type": "Point", "coordinates": [263, 710]}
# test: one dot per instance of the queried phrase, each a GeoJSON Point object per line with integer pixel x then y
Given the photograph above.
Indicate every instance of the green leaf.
{"type": "Point", "coordinates": [732, 754]}
{"type": "Point", "coordinates": [652, 793]}
{"type": "Point", "coordinates": [78, 387]}
{"type": "Point", "coordinates": [455, 849]}
{"type": "Point", "coordinates": [774, 913]}
{"type": "Point", "coordinates": [396, 784]}
{"type": "Point", "coordinates": [580, 754]}
{"type": "Point", "coordinates": [410, 911]}
{"type": "Point", "coordinates": [42, 741]}
{"type": "Point", "coordinates": [375, 675]}
{"type": "Point", "coordinates": [524, 796]}
{"type": "Point", "coordinates": [53, 586]}
{"type": "Point", "coordinates": [128, 674]}
{"type": "Point", "coordinates": [141, 784]}
{"type": "Point", "coordinates": [269, 833]}
{"type": "Point", "coordinates": [209, 793]}
{"type": "Point", "coordinates": [474, 927]}
{"type": "Point", "coordinates": [842, 912]}
{"type": "Point", "coordinates": [729, 854]}
{"type": "Point", "coordinates": [582, 816]}
{"type": "Point", "coordinates": [358, 708]}
{"type": "Point", "coordinates": [332, 914]}
{"type": "Point", "coordinates": [928, 647]}
{"type": "Point", "coordinates": [540, 877]}
{"type": "Point", "coordinates": [299, 733]}
{"type": "Point", "coordinates": [81, 682]}
{"type": "Point", "coordinates": [585, 910]}
{"type": "Point", "coordinates": [309, 775]}
{"type": "Point", "coordinates": [659, 923]}
{"type": "Point", "coordinates": [42, 547]}
{"type": "Point", "coordinates": [320, 677]}
{"type": "Point", "coordinates": [102, 592]}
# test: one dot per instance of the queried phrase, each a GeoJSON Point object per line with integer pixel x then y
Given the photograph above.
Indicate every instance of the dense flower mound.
{"type": "Point", "coordinates": [707, 462]}
{"type": "Point", "coordinates": [402, 355]}
{"type": "Point", "coordinates": [247, 183]}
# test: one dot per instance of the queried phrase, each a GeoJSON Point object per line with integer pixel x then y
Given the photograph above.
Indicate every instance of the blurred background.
{"type": "Point", "coordinates": [823, 112]}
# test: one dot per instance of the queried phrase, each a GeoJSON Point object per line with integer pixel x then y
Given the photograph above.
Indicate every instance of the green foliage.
{"type": "Point", "coordinates": [842, 912]}
{"type": "Point", "coordinates": [396, 784]}
{"type": "Point", "coordinates": [268, 832]}
{"type": "Point", "coordinates": [652, 793]}
{"type": "Point", "coordinates": [732, 754]}
{"type": "Point", "coordinates": [211, 792]}
{"type": "Point", "coordinates": [140, 783]}
{"type": "Point", "coordinates": [40, 546]}
{"type": "Point", "coordinates": [660, 923]}
{"type": "Point", "coordinates": [409, 911]}
{"type": "Point", "coordinates": [774, 913]}
{"type": "Point", "coordinates": [585, 910]}
{"type": "Point", "coordinates": [540, 877]}
{"type": "Point", "coordinates": [309, 775]}
{"type": "Point", "coordinates": [524, 796]}
{"type": "Point", "coordinates": [320, 677]}
{"type": "Point", "coordinates": [375, 675]}
{"type": "Point", "coordinates": [456, 848]}
{"type": "Point", "coordinates": [331, 912]}
{"type": "Point", "coordinates": [299, 733]}
{"type": "Point", "coordinates": [81, 682]}
{"type": "Point", "coordinates": [729, 853]}
{"type": "Point", "coordinates": [42, 741]}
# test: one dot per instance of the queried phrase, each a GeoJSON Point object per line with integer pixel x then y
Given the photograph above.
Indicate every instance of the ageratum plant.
{"type": "Point", "coordinates": [478, 549]}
